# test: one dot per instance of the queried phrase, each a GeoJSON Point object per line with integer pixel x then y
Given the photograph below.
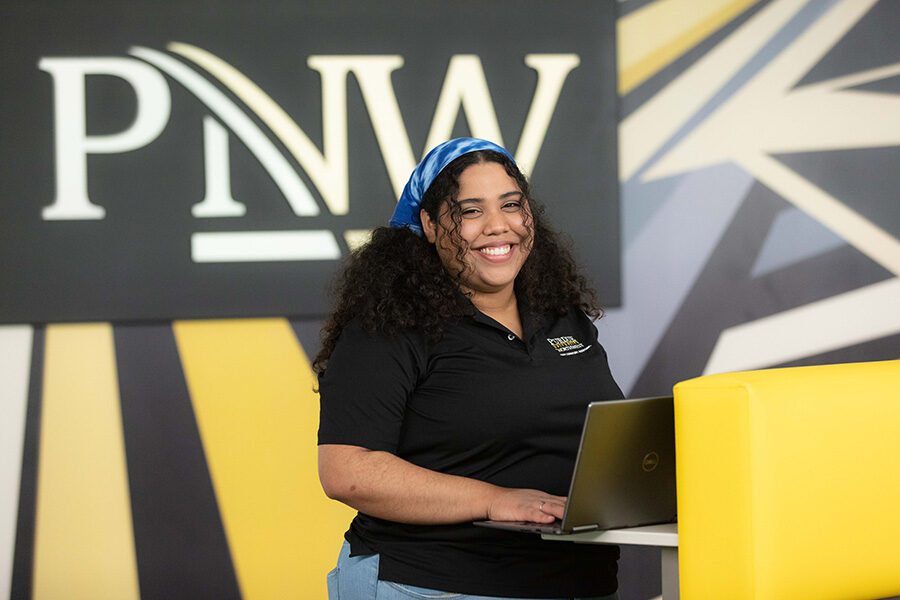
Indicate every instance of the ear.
{"type": "Point", "coordinates": [429, 228]}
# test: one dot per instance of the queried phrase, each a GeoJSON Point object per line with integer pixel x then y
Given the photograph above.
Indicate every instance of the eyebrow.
{"type": "Point", "coordinates": [503, 196]}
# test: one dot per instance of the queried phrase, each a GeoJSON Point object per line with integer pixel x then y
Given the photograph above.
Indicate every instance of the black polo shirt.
{"type": "Point", "coordinates": [479, 403]}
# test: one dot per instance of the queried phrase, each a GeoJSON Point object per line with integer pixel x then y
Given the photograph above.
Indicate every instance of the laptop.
{"type": "Point", "coordinates": [624, 473]}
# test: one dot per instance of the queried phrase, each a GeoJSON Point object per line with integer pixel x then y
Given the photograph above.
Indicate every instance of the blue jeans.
{"type": "Point", "coordinates": [357, 579]}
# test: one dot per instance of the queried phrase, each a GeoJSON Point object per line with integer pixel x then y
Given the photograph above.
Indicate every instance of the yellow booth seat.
{"type": "Point", "coordinates": [789, 483]}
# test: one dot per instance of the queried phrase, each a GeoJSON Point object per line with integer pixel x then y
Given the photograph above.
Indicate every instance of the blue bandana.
{"type": "Point", "coordinates": [407, 212]}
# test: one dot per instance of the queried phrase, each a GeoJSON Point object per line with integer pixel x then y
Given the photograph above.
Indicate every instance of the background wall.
{"type": "Point", "coordinates": [759, 144]}
{"type": "Point", "coordinates": [759, 227]}
{"type": "Point", "coordinates": [760, 214]}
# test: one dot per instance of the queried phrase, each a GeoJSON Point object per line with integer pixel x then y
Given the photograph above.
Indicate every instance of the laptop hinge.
{"type": "Point", "coordinates": [580, 528]}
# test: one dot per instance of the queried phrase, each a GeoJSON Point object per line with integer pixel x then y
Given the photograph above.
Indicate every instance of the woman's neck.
{"type": "Point", "coordinates": [502, 307]}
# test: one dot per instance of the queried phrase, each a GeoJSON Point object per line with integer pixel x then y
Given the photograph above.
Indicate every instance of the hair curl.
{"type": "Point", "coordinates": [396, 282]}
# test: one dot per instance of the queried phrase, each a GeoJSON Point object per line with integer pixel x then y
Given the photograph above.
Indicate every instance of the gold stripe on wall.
{"type": "Point", "coordinates": [251, 388]}
{"type": "Point", "coordinates": [652, 37]}
{"type": "Point", "coordinates": [84, 541]}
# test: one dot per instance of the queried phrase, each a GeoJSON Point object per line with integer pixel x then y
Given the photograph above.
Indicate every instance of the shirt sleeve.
{"type": "Point", "coordinates": [365, 387]}
{"type": "Point", "coordinates": [595, 335]}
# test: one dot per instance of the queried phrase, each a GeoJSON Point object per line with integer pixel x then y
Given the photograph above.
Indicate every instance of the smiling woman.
{"type": "Point", "coordinates": [484, 238]}
{"type": "Point", "coordinates": [444, 400]}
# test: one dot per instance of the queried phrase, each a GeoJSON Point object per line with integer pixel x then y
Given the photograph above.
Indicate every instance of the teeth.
{"type": "Point", "coordinates": [495, 250]}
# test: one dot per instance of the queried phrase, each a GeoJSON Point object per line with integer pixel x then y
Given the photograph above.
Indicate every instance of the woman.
{"type": "Point", "coordinates": [454, 377]}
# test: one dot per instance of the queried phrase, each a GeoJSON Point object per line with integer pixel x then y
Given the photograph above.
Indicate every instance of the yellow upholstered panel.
{"type": "Point", "coordinates": [789, 483]}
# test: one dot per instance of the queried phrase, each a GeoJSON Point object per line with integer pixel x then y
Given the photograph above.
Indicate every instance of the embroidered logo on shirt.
{"type": "Point", "coordinates": [566, 345]}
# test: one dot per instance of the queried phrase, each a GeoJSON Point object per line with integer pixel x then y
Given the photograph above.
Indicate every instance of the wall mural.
{"type": "Point", "coordinates": [759, 227]}
{"type": "Point", "coordinates": [759, 192]}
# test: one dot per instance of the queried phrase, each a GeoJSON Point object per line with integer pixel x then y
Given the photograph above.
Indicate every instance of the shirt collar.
{"type": "Point", "coordinates": [532, 322]}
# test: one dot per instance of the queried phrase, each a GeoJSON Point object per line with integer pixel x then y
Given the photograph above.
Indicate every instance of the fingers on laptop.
{"type": "Point", "coordinates": [553, 505]}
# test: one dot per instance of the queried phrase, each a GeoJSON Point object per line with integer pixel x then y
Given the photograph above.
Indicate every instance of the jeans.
{"type": "Point", "coordinates": [357, 579]}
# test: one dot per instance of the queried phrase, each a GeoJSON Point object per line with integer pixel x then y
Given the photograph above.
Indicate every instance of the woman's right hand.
{"type": "Point", "coordinates": [535, 506]}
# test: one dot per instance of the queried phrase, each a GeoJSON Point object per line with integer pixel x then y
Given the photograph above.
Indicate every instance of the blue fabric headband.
{"type": "Point", "coordinates": [407, 212]}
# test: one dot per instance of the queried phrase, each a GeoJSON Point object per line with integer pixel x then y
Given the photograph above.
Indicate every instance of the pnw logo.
{"type": "Point", "coordinates": [566, 345]}
{"type": "Point", "coordinates": [216, 84]}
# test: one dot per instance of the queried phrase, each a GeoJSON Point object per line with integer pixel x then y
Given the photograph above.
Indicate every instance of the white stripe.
{"type": "Point", "coordinates": [866, 236]}
{"type": "Point", "coordinates": [15, 366]}
{"type": "Point", "coordinates": [249, 246]}
{"type": "Point", "coordinates": [284, 176]}
{"type": "Point", "coordinates": [645, 130]}
{"type": "Point", "coordinates": [852, 318]}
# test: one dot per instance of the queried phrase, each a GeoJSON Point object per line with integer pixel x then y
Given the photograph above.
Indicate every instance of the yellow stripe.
{"type": "Point", "coordinates": [251, 387]}
{"type": "Point", "coordinates": [84, 542]}
{"type": "Point", "coordinates": [654, 36]}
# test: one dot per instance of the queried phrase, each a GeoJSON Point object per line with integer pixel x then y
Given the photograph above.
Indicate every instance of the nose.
{"type": "Point", "coordinates": [496, 222]}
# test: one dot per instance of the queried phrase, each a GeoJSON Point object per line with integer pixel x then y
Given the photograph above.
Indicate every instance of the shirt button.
{"type": "Point", "coordinates": [510, 337]}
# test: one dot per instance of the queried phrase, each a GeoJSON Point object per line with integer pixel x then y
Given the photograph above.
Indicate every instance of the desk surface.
{"type": "Point", "coordinates": [664, 534]}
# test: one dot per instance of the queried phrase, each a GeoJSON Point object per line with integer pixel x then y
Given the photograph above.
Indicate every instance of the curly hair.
{"type": "Point", "coordinates": [397, 282]}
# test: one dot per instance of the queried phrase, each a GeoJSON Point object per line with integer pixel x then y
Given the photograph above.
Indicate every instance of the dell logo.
{"type": "Point", "coordinates": [650, 462]}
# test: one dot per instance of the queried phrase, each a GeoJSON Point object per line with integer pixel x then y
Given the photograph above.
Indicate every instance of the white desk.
{"type": "Point", "coordinates": [664, 536]}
